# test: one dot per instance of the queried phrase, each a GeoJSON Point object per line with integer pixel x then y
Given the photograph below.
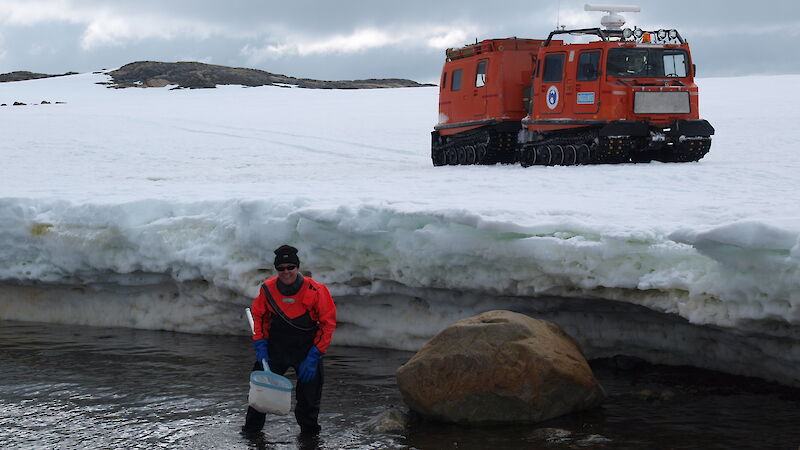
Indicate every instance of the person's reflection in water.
{"type": "Point", "coordinates": [309, 441]}
{"type": "Point", "coordinates": [305, 441]}
{"type": "Point", "coordinates": [257, 440]}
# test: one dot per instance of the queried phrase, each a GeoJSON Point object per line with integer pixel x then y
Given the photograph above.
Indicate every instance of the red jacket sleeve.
{"type": "Point", "coordinates": [325, 311]}
{"type": "Point", "coordinates": [260, 316]}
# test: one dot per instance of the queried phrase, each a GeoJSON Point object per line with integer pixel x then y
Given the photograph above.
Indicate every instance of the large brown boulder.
{"type": "Point", "coordinates": [499, 366]}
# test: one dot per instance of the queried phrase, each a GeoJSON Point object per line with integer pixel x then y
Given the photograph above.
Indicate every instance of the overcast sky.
{"type": "Point", "coordinates": [351, 39]}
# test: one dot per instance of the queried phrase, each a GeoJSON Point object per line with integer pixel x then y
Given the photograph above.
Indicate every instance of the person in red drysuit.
{"type": "Point", "coordinates": [298, 343]}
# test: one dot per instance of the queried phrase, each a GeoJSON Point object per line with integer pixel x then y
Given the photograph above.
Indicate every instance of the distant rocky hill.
{"type": "Point", "coordinates": [23, 75]}
{"type": "Point", "coordinates": [195, 75]}
{"type": "Point", "coordinates": [200, 75]}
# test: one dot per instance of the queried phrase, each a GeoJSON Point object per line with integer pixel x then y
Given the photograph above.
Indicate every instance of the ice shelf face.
{"type": "Point", "coordinates": [746, 270]}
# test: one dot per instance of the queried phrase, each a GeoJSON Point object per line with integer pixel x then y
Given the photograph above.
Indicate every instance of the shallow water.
{"type": "Point", "coordinates": [82, 387]}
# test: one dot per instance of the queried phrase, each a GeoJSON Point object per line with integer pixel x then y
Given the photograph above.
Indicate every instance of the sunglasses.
{"type": "Point", "coordinates": [282, 268]}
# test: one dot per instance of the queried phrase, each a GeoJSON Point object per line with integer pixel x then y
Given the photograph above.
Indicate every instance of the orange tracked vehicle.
{"type": "Point", "coordinates": [627, 96]}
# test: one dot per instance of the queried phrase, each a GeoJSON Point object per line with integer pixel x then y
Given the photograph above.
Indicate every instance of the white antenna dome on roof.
{"type": "Point", "coordinates": [612, 21]}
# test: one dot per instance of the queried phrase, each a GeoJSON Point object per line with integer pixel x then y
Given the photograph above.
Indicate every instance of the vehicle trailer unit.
{"type": "Point", "coordinates": [627, 96]}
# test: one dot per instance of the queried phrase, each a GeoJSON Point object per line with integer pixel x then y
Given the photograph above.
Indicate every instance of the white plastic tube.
{"type": "Point", "coordinates": [250, 320]}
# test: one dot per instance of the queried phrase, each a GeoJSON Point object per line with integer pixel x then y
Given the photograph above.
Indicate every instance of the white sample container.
{"type": "Point", "coordinates": [270, 392]}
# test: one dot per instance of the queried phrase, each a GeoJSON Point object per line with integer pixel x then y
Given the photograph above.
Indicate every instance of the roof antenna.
{"type": "Point", "coordinates": [558, 16]}
{"type": "Point", "coordinates": [612, 21]}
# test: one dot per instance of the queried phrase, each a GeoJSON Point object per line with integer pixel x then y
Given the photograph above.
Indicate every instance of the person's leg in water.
{"type": "Point", "coordinates": [308, 399]}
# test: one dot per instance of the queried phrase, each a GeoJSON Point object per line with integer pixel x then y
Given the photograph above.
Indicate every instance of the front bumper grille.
{"type": "Point", "coordinates": [645, 102]}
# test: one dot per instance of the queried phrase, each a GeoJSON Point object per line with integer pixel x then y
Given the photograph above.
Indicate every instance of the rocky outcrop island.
{"type": "Point", "coordinates": [22, 75]}
{"type": "Point", "coordinates": [197, 75]}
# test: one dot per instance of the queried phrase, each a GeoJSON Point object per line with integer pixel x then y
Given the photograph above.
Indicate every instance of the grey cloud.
{"type": "Point", "coordinates": [716, 30]}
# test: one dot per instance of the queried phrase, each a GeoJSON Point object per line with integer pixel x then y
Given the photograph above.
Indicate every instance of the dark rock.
{"type": "Point", "coordinates": [393, 420]}
{"type": "Point", "coordinates": [647, 395]}
{"type": "Point", "coordinates": [19, 104]}
{"type": "Point", "coordinates": [593, 441]}
{"type": "Point", "coordinates": [195, 75]}
{"type": "Point", "coordinates": [24, 75]}
{"type": "Point", "coordinates": [45, 102]}
{"type": "Point", "coordinates": [552, 435]}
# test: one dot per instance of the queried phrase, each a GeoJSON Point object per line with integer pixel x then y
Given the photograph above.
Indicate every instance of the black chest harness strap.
{"type": "Point", "coordinates": [280, 312]}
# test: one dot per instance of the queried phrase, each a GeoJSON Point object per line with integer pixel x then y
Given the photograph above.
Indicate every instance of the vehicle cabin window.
{"type": "Point", "coordinates": [675, 63]}
{"type": "Point", "coordinates": [444, 80]}
{"type": "Point", "coordinates": [480, 77]}
{"type": "Point", "coordinates": [650, 63]}
{"type": "Point", "coordinates": [455, 82]}
{"type": "Point", "coordinates": [588, 66]}
{"type": "Point", "coordinates": [553, 68]}
{"type": "Point", "coordinates": [629, 62]}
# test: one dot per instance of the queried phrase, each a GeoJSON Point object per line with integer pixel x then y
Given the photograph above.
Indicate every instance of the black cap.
{"type": "Point", "coordinates": [286, 254]}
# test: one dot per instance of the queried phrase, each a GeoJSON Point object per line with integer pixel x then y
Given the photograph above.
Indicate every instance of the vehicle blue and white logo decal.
{"type": "Point", "coordinates": [552, 97]}
{"type": "Point", "coordinates": [586, 98]}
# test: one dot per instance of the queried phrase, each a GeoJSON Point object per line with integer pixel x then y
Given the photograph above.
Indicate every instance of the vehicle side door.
{"type": "Point", "coordinates": [551, 96]}
{"type": "Point", "coordinates": [479, 93]}
{"type": "Point", "coordinates": [587, 82]}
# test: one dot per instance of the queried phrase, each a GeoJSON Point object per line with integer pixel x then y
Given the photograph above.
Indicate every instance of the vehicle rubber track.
{"type": "Point", "coordinates": [482, 146]}
{"type": "Point", "coordinates": [563, 149]}
{"type": "Point", "coordinates": [689, 150]}
{"type": "Point", "coordinates": [610, 151]}
{"type": "Point", "coordinates": [487, 146]}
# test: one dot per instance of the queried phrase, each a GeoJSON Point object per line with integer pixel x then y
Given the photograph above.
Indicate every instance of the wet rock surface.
{"type": "Point", "coordinates": [196, 75]}
{"type": "Point", "coordinates": [499, 367]}
{"type": "Point", "coordinates": [393, 420]}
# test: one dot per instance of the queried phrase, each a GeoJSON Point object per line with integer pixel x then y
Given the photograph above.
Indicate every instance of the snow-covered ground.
{"type": "Point", "coordinates": [158, 208]}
